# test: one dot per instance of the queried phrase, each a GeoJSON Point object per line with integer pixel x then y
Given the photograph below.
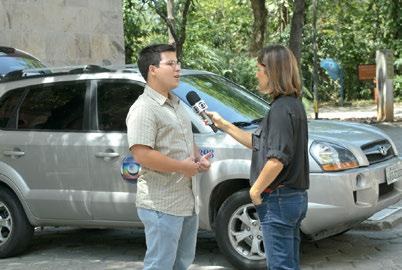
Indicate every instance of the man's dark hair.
{"type": "Point", "coordinates": [151, 55]}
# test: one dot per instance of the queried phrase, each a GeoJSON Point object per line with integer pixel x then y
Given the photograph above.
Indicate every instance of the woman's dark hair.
{"type": "Point", "coordinates": [282, 70]}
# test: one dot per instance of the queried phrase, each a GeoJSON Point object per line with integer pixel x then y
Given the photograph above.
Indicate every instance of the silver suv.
{"type": "Point", "coordinates": [64, 161]}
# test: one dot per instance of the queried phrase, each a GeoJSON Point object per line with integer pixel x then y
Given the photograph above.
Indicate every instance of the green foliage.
{"type": "Point", "coordinates": [350, 32]}
{"type": "Point", "coordinates": [241, 69]}
{"type": "Point", "coordinates": [218, 38]}
{"type": "Point", "coordinates": [219, 34]}
{"type": "Point", "coordinates": [398, 87]}
{"type": "Point", "coordinates": [141, 27]}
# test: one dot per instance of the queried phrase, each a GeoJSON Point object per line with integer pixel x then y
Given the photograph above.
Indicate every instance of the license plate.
{"type": "Point", "coordinates": [394, 173]}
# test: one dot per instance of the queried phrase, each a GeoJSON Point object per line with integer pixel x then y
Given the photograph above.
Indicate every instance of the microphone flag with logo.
{"type": "Point", "coordinates": [199, 106]}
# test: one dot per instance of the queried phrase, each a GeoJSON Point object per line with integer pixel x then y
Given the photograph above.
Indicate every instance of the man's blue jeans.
{"type": "Point", "coordinates": [281, 213]}
{"type": "Point", "coordinates": [171, 240]}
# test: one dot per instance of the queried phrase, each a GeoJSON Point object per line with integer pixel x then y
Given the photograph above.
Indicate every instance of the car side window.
{"type": "Point", "coordinates": [58, 106]}
{"type": "Point", "coordinates": [114, 100]}
{"type": "Point", "coordinates": [8, 104]}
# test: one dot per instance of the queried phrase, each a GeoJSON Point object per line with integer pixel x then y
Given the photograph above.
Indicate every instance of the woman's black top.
{"type": "Point", "coordinates": [283, 135]}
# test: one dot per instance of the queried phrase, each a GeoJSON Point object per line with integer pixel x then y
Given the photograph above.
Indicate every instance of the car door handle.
{"type": "Point", "coordinates": [107, 154]}
{"type": "Point", "coordinates": [14, 153]}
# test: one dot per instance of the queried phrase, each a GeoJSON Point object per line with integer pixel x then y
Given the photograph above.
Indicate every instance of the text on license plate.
{"type": "Point", "coordinates": [394, 173]}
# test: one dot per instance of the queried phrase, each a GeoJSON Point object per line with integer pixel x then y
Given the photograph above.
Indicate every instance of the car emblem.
{"type": "Point", "coordinates": [383, 149]}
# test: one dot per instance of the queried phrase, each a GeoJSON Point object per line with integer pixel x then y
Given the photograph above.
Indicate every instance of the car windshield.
{"type": "Point", "coordinates": [231, 101]}
{"type": "Point", "coordinates": [11, 63]}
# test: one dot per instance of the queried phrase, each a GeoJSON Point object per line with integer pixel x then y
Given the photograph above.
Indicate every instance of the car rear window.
{"type": "Point", "coordinates": [54, 107]}
{"type": "Point", "coordinates": [8, 106]}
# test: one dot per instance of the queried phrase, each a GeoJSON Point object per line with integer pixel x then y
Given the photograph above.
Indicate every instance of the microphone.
{"type": "Point", "coordinates": [199, 106]}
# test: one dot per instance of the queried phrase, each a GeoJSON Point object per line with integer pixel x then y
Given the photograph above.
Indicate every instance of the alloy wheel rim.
{"type": "Point", "coordinates": [5, 223]}
{"type": "Point", "coordinates": [245, 233]}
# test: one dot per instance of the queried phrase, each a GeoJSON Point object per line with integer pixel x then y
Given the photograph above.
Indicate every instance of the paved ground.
{"type": "Point", "coordinates": [124, 249]}
{"type": "Point", "coordinates": [68, 248]}
{"type": "Point", "coordinates": [366, 113]}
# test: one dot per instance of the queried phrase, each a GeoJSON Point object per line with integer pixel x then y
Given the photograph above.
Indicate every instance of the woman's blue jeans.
{"type": "Point", "coordinates": [281, 213]}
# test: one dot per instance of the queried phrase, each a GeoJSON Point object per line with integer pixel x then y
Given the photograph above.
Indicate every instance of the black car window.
{"type": "Point", "coordinates": [114, 100]}
{"type": "Point", "coordinates": [58, 106]}
{"type": "Point", "coordinates": [8, 104]}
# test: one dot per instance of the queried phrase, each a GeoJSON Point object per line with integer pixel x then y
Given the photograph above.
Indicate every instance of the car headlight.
{"type": "Point", "coordinates": [332, 157]}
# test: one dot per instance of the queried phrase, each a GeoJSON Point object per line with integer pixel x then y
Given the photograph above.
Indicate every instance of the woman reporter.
{"type": "Point", "coordinates": [279, 175]}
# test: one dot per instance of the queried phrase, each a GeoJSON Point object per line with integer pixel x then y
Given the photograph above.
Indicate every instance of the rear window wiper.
{"type": "Point", "coordinates": [247, 123]}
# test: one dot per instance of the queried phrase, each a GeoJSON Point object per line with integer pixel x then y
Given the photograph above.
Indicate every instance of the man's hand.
{"type": "Point", "coordinates": [255, 196]}
{"type": "Point", "coordinates": [204, 163]}
{"type": "Point", "coordinates": [189, 168]}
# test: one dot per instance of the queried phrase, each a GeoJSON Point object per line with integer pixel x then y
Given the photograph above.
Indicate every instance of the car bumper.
{"type": "Point", "coordinates": [337, 201]}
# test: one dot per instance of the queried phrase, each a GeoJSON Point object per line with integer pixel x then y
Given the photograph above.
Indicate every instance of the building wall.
{"type": "Point", "coordinates": [65, 32]}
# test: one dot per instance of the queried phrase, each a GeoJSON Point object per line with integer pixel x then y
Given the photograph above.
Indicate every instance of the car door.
{"type": "Point", "coordinates": [46, 145]}
{"type": "Point", "coordinates": [112, 168]}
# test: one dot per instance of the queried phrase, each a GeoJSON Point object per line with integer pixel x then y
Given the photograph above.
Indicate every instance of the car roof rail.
{"type": "Point", "coordinates": [13, 75]}
{"type": "Point", "coordinates": [126, 68]}
{"type": "Point", "coordinates": [89, 69]}
{"type": "Point", "coordinates": [45, 72]}
{"type": "Point", "coordinates": [24, 74]}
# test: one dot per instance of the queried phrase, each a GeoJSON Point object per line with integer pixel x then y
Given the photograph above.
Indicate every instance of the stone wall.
{"type": "Point", "coordinates": [65, 32]}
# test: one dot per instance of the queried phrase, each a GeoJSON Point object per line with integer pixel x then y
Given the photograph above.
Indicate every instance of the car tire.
{"type": "Point", "coordinates": [237, 230]}
{"type": "Point", "coordinates": [15, 230]}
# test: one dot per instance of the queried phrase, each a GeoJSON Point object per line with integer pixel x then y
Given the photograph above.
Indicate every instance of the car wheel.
{"type": "Point", "coordinates": [15, 230]}
{"type": "Point", "coordinates": [238, 232]}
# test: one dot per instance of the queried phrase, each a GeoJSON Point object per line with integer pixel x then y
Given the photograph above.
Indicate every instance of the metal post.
{"type": "Point", "coordinates": [384, 76]}
{"type": "Point", "coordinates": [315, 68]}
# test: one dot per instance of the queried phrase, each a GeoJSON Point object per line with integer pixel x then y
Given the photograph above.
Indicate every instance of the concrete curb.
{"type": "Point", "coordinates": [389, 222]}
{"type": "Point", "coordinates": [365, 120]}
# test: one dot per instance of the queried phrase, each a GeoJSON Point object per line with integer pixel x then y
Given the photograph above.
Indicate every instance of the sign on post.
{"type": "Point", "coordinates": [366, 72]}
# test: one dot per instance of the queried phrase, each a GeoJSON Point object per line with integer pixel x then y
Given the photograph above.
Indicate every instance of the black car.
{"type": "Point", "coordinates": [12, 59]}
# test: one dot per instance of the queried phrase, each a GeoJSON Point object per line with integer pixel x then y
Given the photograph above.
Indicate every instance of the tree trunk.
{"type": "Point", "coordinates": [176, 37]}
{"type": "Point", "coordinates": [283, 12]}
{"type": "Point", "coordinates": [260, 14]}
{"type": "Point", "coordinates": [183, 29]}
{"type": "Point", "coordinates": [315, 65]}
{"type": "Point", "coordinates": [397, 17]}
{"type": "Point", "coordinates": [170, 18]}
{"type": "Point", "coordinates": [296, 30]}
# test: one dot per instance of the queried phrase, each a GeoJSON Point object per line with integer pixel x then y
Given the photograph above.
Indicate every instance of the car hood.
{"type": "Point", "coordinates": [341, 132]}
{"type": "Point", "coordinates": [345, 132]}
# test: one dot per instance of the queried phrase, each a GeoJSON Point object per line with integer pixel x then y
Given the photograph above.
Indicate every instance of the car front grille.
{"type": "Point", "coordinates": [378, 151]}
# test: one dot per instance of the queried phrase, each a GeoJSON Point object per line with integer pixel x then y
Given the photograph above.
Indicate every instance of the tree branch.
{"type": "Point", "coordinates": [153, 4]}
{"type": "Point", "coordinates": [184, 21]}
